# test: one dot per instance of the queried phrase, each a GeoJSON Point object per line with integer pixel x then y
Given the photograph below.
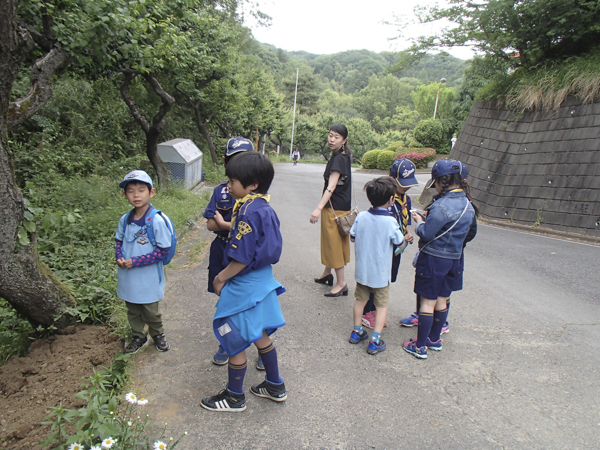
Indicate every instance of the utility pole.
{"type": "Point", "coordinates": [443, 80]}
{"type": "Point", "coordinates": [294, 114]}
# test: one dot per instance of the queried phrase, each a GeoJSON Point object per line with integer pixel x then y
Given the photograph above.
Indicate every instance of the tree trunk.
{"type": "Point", "coordinates": [152, 138]}
{"type": "Point", "coordinates": [25, 282]}
{"type": "Point", "coordinates": [211, 146]}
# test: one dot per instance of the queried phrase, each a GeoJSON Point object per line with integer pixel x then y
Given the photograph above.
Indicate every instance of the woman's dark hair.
{"type": "Point", "coordinates": [249, 168]}
{"type": "Point", "coordinates": [454, 179]}
{"type": "Point", "coordinates": [380, 190]}
{"type": "Point", "coordinates": [342, 131]}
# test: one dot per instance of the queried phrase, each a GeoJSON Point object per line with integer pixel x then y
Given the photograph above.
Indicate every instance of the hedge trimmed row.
{"type": "Point", "coordinates": [383, 159]}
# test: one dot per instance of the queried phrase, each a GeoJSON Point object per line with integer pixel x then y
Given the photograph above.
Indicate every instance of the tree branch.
{"type": "Point", "coordinates": [128, 78]}
{"type": "Point", "coordinates": [166, 102]}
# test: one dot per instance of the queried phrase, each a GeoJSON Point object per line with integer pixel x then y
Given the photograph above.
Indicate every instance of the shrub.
{"type": "Point", "coordinates": [430, 133]}
{"type": "Point", "coordinates": [414, 144]}
{"type": "Point", "coordinates": [369, 159]}
{"type": "Point", "coordinates": [395, 146]}
{"type": "Point", "coordinates": [419, 157]}
{"type": "Point", "coordinates": [385, 160]}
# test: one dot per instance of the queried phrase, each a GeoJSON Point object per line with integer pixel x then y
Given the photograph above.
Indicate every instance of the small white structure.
{"type": "Point", "coordinates": [183, 160]}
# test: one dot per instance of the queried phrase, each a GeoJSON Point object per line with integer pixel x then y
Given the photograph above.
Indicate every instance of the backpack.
{"type": "Point", "coordinates": [150, 232]}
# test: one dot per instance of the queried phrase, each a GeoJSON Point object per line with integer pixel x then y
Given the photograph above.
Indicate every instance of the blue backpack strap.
{"type": "Point", "coordinates": [150, 234]}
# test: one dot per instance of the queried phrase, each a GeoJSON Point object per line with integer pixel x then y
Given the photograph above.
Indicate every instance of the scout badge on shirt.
{"type": "Point", "coordinates": [243, 229]}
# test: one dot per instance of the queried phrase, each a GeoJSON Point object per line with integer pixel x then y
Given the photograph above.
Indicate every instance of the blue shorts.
{"type": "Point", "coordinates": [215, 260]}
{"type": "Point", "coordinates": [437, 277]}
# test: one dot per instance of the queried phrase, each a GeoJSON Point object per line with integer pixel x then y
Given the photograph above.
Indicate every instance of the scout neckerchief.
{"type": "Point", "coordinates": [240, 202]}
{"type": "Point", "coordinates": [403, 213]}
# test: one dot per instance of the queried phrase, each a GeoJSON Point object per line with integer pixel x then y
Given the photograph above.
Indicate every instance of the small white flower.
{"type": "Point", "coordinates": [131, 398]}
{"type": "Point", "coordinates": [95, 447]}
{"type": "Point", "coordinates": [108, 442]}
{"type": "Point", "coordinates": [129, 423]}
{"type": "Point", "coordinates": [142, 401]}
{"type": "Point", "coordinates": [75, 446]}
{"type": "Point", "coordinates": [159, 445]}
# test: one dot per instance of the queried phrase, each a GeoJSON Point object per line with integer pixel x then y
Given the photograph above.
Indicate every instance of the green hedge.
{"type": "Point", "coordinates": [385, 159]}
{"type": "Point", "coordinates": [369, 159]}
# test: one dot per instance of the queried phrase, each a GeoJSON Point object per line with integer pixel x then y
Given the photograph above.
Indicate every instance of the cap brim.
{"type": "Point", "coordinates": [429, 183]}
{"type": "Point", "coordinates": [407, 182]}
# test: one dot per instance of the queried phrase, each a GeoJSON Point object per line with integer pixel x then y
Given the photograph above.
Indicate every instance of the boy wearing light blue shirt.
{"type": "Point", "coordinates": [375, 232]}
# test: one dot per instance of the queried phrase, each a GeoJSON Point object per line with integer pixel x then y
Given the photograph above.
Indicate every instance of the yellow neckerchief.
{"type": "Point", "coordinates": [401, 200]}
{"type": "Point", "coordinates": [456, 190]}
{"type": "Point", "coordinates": [240, 202]}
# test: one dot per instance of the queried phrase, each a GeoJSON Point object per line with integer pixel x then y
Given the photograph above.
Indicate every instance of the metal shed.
{"type": "Point", "coordinates": [183, 160]}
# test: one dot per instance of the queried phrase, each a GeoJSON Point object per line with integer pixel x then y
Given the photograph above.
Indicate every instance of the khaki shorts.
{"type": "Point", "coordinates": [382, 295]}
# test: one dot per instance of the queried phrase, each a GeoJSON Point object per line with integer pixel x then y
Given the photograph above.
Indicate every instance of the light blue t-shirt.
{"type": "Point", "coordinates": [144, 284]}
{"type": "Point", "coordinates": [375, 232]}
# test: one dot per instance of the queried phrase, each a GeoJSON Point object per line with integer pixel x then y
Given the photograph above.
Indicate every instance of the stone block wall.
{"type": "Point", "coordinates": [535, 168]}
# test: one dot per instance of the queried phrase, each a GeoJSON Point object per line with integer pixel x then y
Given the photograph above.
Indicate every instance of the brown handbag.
{"type": "Point", "coordinates": [344, 223]}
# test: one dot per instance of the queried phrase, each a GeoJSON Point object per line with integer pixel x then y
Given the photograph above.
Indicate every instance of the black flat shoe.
{"type": "Point", "coordinates": [325, 280]}
{"type": "Point", "coordinates": [344, 291]}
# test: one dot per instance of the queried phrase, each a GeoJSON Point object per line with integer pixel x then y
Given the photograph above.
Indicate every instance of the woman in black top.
{"type": "Point", "coordinates": [337, 191]}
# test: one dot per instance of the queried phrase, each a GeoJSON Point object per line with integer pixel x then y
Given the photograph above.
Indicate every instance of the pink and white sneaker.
{"type": "Point", "coordinates": [368, 320]}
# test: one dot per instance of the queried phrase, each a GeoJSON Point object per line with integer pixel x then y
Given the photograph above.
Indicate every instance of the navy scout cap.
{"type": "Point", "coordinates": [403, 171]}
{"type": "Point", "coordinates": [236, 145]}
{"type": "Point", "coordinates": [441, 168]}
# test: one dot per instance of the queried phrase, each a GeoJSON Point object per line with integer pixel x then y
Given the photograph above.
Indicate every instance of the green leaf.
{"type": "Point", "coordinates": [29, 226]}
{"type": "Point", "coordinates": [28, 215]}
{"type": "Point", "coordinates": [23, 237]}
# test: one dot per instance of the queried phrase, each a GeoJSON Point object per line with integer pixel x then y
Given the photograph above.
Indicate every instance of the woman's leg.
{"type": "Point", "coordinates": [326, 271]}
{"type": "Point", "coordinates": [340, 281]}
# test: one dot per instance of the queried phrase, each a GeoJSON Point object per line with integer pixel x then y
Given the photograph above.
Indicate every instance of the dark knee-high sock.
{"type": "Point", "coordinates": [236, 378]}
{"type": "Point", "coordinates": [370, 306]}
{"type": "Point", "coordinates": [425, 321]}
{"type": "Point", "coordinates": [439, 318]}
{"type": "Point", "coordinates": [448, 307]}
{"type": "Point", "coordinates": [269, 359]}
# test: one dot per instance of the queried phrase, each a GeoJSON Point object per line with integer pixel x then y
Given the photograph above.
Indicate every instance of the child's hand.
{"type": "Point", "coordinates": [419, 217]}
{"type": "Point", "coordinates": [127, 264]}
{"type": "Point", "coordinates": [409, 237]}
{"type": "Point", "coordinates": [120, 262]}
{"type": "Point", "coordinates": [218, 285]}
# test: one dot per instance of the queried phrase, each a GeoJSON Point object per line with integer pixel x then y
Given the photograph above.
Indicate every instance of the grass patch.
{"type": "Point", "coordinates": [546, 87]}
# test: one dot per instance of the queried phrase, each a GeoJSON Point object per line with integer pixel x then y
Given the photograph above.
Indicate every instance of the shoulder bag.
{"type": "Point", "coordinates": [345, 222]}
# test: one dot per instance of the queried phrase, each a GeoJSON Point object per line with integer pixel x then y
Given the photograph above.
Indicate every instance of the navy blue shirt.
{"type": "Point", "coordinates": [222, 201]}
{"type": "Point", "coordinates": [255, 239]}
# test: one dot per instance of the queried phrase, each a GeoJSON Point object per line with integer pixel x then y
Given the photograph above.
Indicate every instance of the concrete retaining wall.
{"type": "Point", "coordinates": [535, 167]}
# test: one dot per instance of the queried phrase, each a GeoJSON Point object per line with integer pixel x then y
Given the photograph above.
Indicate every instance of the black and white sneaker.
{"type": "Point", "coordinates": [136, 344]}
{"type": "Point", "coordinates": [275, 392]}
{"type": "Point", "coordinates": [225, 401]}
{"type": "Point", "coordinates": [160, 342]}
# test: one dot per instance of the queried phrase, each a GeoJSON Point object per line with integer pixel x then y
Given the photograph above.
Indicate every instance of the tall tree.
{"type": "Point", "coordinates": [24, 281]}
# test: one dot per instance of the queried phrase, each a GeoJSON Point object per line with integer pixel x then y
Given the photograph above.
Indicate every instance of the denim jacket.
{"type": "Point", "coordinates": [441, 215]}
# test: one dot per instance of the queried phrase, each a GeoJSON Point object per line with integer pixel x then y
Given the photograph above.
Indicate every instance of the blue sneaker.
{"type": "Point", "coordinates": [373, 348]}
{"type": "Point", "coordinates": [355, 338]}
{"type": "Point", "coordinates": [220, 357]}
{"type": "Point", "coordinates": [259, 363]}
{"type": "Point", "coordinates": [410, 321]}
{"type": "Point", "coordinates": [435, 346]}
{"type": "Point", "coordinates": [445, 328]}
{"type": "Point", "coordinates": [419, 352]}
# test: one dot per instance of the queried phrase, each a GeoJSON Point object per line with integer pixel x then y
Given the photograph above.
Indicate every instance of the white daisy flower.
{"type": "Point", "coordinates": [108, 442]}
{"type": "Point", "coordinates": [75, 446]}
{"type": "Point", "coordinates": [159, 445]}
{"type": "Point", "coordinates": [142, 401]}
{"type": "Point", "coordinates": [131, 398]}
{"type": "Point", "coordinates": [95, 447]}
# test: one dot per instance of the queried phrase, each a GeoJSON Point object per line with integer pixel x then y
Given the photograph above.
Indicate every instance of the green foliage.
{"type": "Point", "coordinates": [369, 159]}
{"type": "Point", "coordinates": [525, 33]}
{"type": "Point", "coordinates": [105, 420]}
{"type": "Point", "coordinates": [430, 68]}
{"type": "Point", "coordinates": [430, 133]}
{"type": "Point", "coordinates": [385, 160]}
{"type": "Point", "coordinates": [14, 332]}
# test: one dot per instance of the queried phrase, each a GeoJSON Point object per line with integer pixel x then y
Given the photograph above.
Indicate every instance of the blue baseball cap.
{"type": "Point", "coordinates": [441, 168]}
{"type": "Point", "coordinates": [403, 171]}
{"type": "Point", "coordinates": [136, 175]}
{"type": "Point", "coordinates": [464, 172]}
{"type": "Point", "coordinates": [238, 144]}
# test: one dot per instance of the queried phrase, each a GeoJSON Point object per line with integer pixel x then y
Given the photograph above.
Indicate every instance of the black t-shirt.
{"type": "Point", "coordinates": [341, 198]}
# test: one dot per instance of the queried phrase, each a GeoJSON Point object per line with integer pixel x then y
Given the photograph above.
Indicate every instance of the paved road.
{"type": "Point", "coordinates": [519, 368]}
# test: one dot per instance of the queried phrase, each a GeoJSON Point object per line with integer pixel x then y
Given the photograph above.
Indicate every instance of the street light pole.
{"type": "Point", "coordinates": [294, 114]}
{"type": "Point", "coordinates": [443, 80]}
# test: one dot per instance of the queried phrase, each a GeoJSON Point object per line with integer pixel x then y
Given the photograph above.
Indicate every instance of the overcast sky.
{"type": "Point", "coordinates": [331, 26]}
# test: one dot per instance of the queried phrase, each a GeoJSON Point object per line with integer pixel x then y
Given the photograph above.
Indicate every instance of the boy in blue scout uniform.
{"type": "Point", "coordinates": [218, 215]}
{"type": "Point", "coordinates": [403, 172]}
{"type": "Point", "coordinates": [248, 310]}
{"type": "Point", "coordinates": [141, 278]}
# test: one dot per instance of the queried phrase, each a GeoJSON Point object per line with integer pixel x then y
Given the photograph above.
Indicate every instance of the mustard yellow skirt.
{"type": "Point", "coordinates": [335, 249]}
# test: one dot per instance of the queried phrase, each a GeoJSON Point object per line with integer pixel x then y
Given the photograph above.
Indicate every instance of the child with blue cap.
{"type": "Point", "coordinates": [442, 231]}
{"type": "Point", "coordinates": [403, 172]}
{"type": "Point", "coordinates": [141, 278]}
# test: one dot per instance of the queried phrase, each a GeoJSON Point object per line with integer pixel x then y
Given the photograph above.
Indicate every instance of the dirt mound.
{"type": "Point", "coordinates": [51, 373]}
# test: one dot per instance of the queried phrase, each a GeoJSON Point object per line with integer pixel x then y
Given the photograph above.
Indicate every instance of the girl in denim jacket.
{"type": "Point", "coordinates": [442, 231]}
